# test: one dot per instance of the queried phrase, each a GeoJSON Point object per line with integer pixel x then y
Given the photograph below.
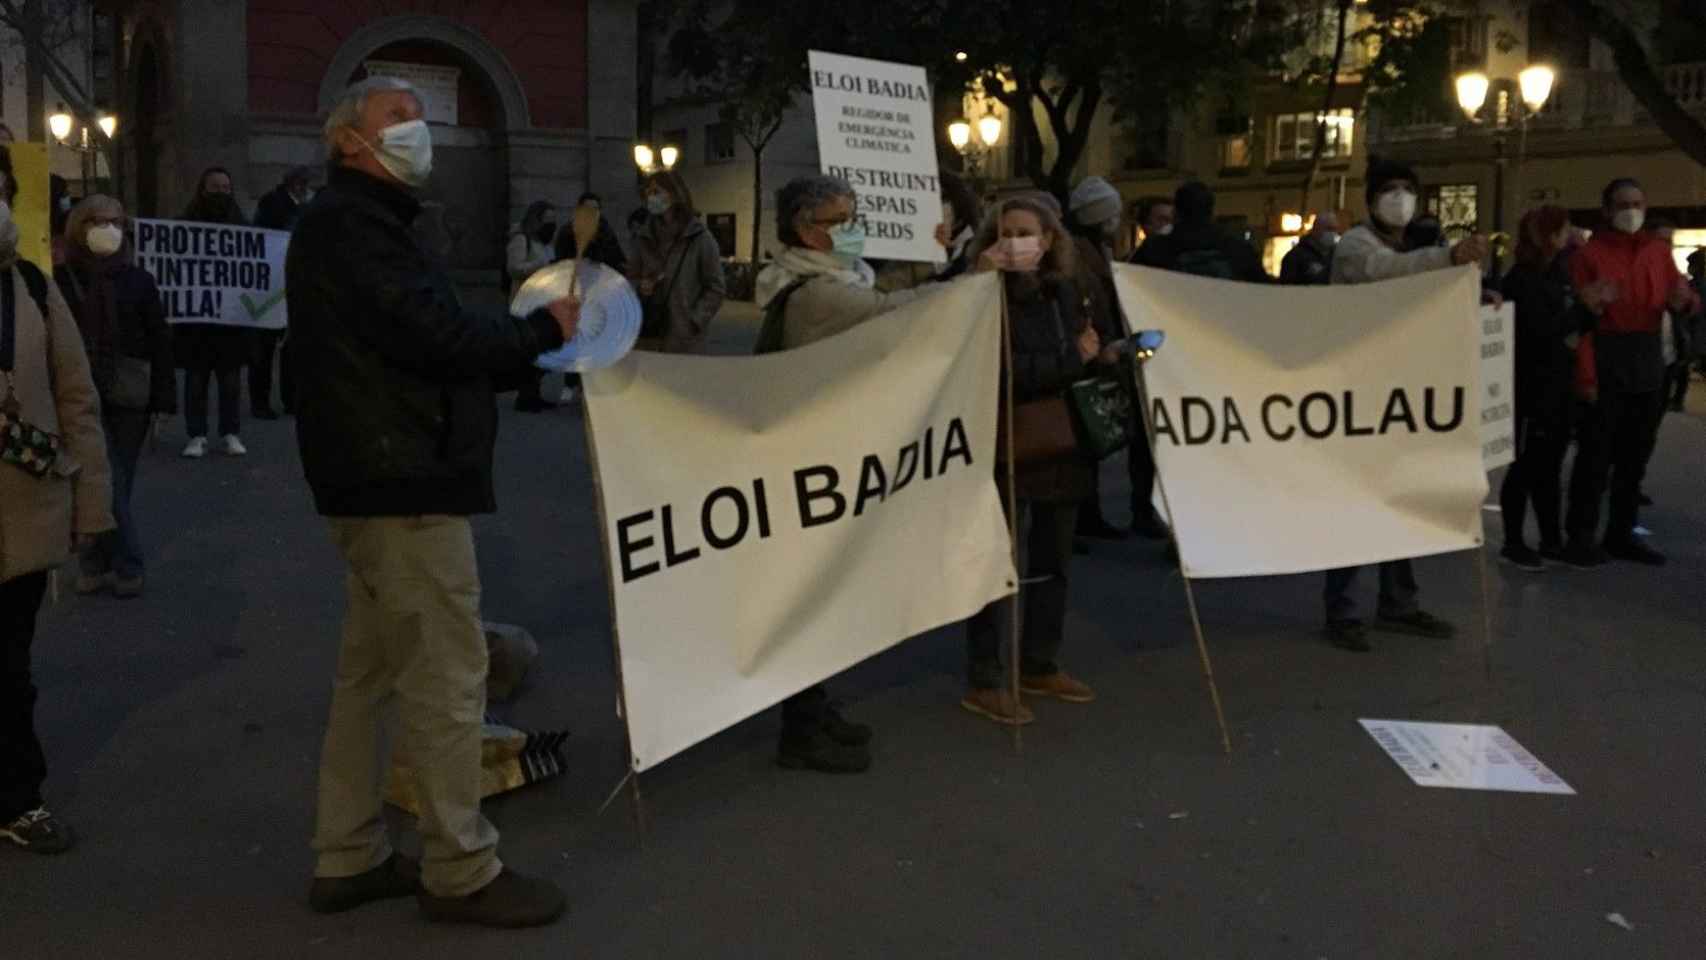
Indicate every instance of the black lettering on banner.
{"type": "Point", "coordinates": [873, 483]}
{"type": "Point", "coordinates": [1188, 422]}
{"type": "Point", "coordinates": [957, 445]}
{"type": "Point", "coordinates": [929, 455]}
{"type": "Point", "coordinates": [832, 479]}
{"type": "Point", "coordinates": [1303, 418]}
{"type": "Point", "coordinates": [906, 465]}
{"type": "Point", "coordinates": [1267, 416]}
{"type": "Point", "coordinates": [1232, 423]}
{"type": "Point", "coordinates": [626, 547]}
{"type": "Point", "coordinates": [761, 504]}
{"type": "Point", "coordinates": [1163, 424]}
{"type": "Point", "coordinates": [1398, 411]}
{"type": "Point", "coordinates": [255, 245]}
{"type": "Point", "coordinates": [263, 276]}
{"type": "Point", "coordinates": [1351, 429]}
{"type": "Point", "coordinates": [221, 273]}
{"type": "Point", "coordinates": [670, 557]}
{"type": "Point", "coordinates": [144, 237]}
{"type": "Point", "coordinates": [1456, 410]}
{"type": "Point", "coordinates": [742, 518]}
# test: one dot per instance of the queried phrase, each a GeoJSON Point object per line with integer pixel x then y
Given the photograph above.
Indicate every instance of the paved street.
{"type": "Point", "coordinates": [183, 732]}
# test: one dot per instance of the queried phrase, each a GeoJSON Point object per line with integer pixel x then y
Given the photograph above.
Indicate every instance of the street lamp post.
{"type": "Point", "coordinates": [1535, 83]}
{"type": "Point", "coordinates": [648, 160]}
{"type": "Point", "coordinates": [988, 135]}
{"type": "Point", "coordinates": [73, 132]}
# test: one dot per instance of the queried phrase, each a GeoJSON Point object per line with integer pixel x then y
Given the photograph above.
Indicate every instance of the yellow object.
{"type": "Point", "coordinates": [30, 208]}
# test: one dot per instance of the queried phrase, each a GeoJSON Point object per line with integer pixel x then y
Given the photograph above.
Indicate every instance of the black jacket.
{"type": "Point", "coordinates": [1547, 314]}
{"type": "Point", "coordinates": [1307, 265]}
{"type": "Point", "coordinates": [1046, 325]}
{"type": "Point", "coordinates": [142, 331]}
{"type": "Point", "coordinates": [1205, 250]}
{"type": "Point", "coordinates": [395, 410]}
{"type": "Point", "coordinates": [278, 210]}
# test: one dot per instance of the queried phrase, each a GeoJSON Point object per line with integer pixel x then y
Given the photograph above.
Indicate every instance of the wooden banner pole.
{"type": "Point", "coordinates": [1178, 551]}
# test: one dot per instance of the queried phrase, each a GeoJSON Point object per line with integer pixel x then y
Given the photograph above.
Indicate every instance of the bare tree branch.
{"type": "Point", "coordinates": [1643, 79]}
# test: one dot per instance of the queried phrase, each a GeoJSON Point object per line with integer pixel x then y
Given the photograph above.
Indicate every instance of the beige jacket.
{"type": "Point", "coordinates": [38, 517]}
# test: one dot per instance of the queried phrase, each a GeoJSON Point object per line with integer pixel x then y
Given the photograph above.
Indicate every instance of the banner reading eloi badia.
{"type": "Point", "coordinates": [1306, 428]}
{"type": "Point", "coordinates": [774, 520]}
{"type": "Point", "coordinates": [215, 273]}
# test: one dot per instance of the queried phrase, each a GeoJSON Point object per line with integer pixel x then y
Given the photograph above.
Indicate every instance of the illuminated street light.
{"type": "Point", "coordinates": [959, 134]}
{"type": "Point", "coordinates": [643, 157]}
{"type": "Point", "coordinates": [59, 124]}
{"type": "Point", "coordinates": [669, 155]}
{"type": "Point", "coordinates": [1472, 92]}
{"type": "Point", "coordinates": [1536, 83]}
{"type": "Point", "coordinates": [988, 129]}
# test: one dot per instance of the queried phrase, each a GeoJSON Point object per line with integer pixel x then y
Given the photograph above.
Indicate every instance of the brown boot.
{"type": "Point", "coordinates": [998, 705]}
{"type": "Point", "coordinates": [1059, 685]}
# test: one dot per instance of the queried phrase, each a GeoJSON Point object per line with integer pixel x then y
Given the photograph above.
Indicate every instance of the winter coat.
{"type": "Point", "coordinates": [1625, 353]}
{"type": "Point", "coordinates": [39, 516]}
{"type": "Point", "coordinates": [825, 306]}
{"type": "Point", "coordinates": [1046, 324]}
{"type": "Point", "coordinates": [1549, 319]}
{"type": "Point", "coordinates": [278, 210]}
{"type": "Point", "coordinates": [1307, 265]}
{"type": "Point", "coordinates": [1364, 256]}
{"type": "Point", "coordinates": [1205, 250]}
{"type": "Point", "coordinates": [395, 409]}
{"type": "Point", "coordinates": [141, 330]}
{"type": "Point", "coordinates": [688, 275]}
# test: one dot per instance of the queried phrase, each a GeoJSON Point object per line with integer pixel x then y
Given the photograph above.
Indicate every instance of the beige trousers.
{"type": "Point", "coordinates": [412, 640]}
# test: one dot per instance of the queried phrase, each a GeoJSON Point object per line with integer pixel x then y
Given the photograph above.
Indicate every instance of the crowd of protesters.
{"type": "Point", "coordinates": [1607, 329]}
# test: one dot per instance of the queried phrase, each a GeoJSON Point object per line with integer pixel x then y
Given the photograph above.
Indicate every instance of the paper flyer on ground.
{"type": "Point", "coordinates": [1463, 756]}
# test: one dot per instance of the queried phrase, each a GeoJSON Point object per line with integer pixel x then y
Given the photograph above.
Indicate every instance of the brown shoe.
{"type": "Point", "coordinates": [510, 900]}
{"type": "Point", "coordinates": [399, 876]}
{"type": "Point", "coordinates": [1058, 685]}
{"type": "Point", "coordinates": [91, 584]}
{"type": "Point", "coordinates": [998, 705]}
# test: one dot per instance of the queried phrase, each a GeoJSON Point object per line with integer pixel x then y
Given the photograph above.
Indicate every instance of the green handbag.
{"type": "Point", "coordinates": [1102, 410]}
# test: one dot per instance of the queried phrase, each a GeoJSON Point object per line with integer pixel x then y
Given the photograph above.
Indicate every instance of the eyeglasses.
{"type": "Point", "coordinates": [834, 221]}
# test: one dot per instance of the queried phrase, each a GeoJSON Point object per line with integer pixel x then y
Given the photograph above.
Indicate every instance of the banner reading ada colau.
{"type": "Point", "coordinates": [1306, 428]}
{"type": "Point", "coordinates": [774, 520]}
{"type": "Point", "coordinates": [215, 272]}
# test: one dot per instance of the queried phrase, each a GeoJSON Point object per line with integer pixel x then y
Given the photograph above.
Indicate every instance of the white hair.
{"type": "Point", "coordinates": [346, 112]}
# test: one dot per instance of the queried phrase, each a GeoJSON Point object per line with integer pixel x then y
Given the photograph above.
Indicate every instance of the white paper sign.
{"type": "Point", "coordinates": [215, 273]}
{"type": "Point", "coordinates": [1498, 385]}
{"type": "Point", "coordinates": [436, 85]}
{"type": "Point", "coordinates": [874, 130]}
{"type": "Point", "coordinates": [1463, 756]}
{"type": "Point", "coordinates": [773, 520]}
{"type": "Point", "coordinates": [1308, 428]}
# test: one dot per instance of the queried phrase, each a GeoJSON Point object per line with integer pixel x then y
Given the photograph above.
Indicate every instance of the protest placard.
{"type": "Point", "coordinates": [215, 272]}
{"type": "Point", "coordinates": [874, 131]}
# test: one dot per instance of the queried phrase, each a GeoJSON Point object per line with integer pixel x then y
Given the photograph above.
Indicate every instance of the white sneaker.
{"type": "Point", "coordinates": [233, 446]}
{"type": "Point", "coordinates": [197, 448]}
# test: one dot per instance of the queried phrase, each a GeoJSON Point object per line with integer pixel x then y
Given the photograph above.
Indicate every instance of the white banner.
{"type": "Point", "coordinates": [214, 273]}
{"type": "Point", "coordinates": [1307, 428]}
{"type": "Point", "coordinates": [773, 520]}
{"type": "Point", "coordinates": [1498, 386]}
{"type": "Point", "coordinates": [874, 130]}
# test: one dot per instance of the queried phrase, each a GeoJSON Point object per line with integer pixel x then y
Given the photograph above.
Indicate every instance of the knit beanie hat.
{"type": "Point", "coordinates": [1095, 201]}
{"type": "Point", "coordinates": [1383, 172]}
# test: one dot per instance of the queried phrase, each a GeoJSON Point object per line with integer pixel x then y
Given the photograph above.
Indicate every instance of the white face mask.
{"type": "Point", "coordinates": [1396, 208]}
{"type": "Point", "coordinates": [1164, 230]}
{"type": "Point", "coordinates": [5, 212]}
{"type": "Point", "coordinates": [1629, 221]}
{"type": "Point", "coordinates": [405, 151]}
{"type": "Point", "coordinates": [104, 240]}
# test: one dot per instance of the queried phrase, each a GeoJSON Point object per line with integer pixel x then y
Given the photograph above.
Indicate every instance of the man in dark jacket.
{"type": "Point", "coordinates": [1197, 245]}
{"type": "Point", "coordinates": [1310, 263]}
{"type": "Point", "coordinates": [282, 205]}
{"type": "Point", "coordinates": [278, 210]}
{"type": "Point", "coordinates": [396, 425]}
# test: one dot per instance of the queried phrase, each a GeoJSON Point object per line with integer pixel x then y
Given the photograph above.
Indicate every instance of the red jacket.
{"type": "Point", "coordinates": [1646, 276]}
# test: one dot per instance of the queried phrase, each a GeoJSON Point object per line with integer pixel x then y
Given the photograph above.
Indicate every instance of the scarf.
{"type": "Point", "coordinates": [798, 263]}
{"type": "Point", "coordinates": [94, 305]}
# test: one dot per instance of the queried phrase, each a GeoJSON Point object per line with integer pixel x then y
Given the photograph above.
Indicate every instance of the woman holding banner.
{"type": "Point", "coordinates": [129, 345]}
{"type": "Point", "coordinates": [1054, 342]}
{"type": "Point", "coordinates": [210, 351]}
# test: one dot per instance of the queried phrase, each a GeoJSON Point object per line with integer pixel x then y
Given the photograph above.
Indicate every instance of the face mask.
{"type": "Point", "coordinates": [1396, 208]}
{"type": "Point", "coordinates": [104, 240]}
{"type": "Point", "coordinates": [1330, 238]}
{"type": "Point", "coordinates": [1629, 221]}
{"type": "Point", "coordinates": [64, 204]}
{"type": "Point", "coordinates": [848, 240]}
{"type": "Point", "coordinates": [5, 212]}
{"type": "Point", "coordinates": [1019, 254]}
{"type": "Point", "coordinates": [1164, 231]}
{"type": "Point", "coordinates": [405, 151]}
{"type": "Point", "coordinates": [658, 204]}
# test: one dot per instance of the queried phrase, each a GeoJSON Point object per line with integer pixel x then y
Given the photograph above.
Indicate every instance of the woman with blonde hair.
{"type": "Point", "coordinates": [1054, 343]}
{"type": "Point", "coordinates": [129, 345]}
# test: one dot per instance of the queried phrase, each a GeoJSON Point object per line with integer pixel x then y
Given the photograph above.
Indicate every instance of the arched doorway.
{"type": "Point", "coordinates": [474, 101]}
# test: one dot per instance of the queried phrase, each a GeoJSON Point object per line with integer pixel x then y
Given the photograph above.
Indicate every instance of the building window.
{"type": "Point", "coordinates": [1294, 136]}
{"type": "Point", "coordinates": [1235, 153]}
{"type": "Point", "coordinates": [719, 143]}
{"type": "Point", "coordinates": [1457, 205]}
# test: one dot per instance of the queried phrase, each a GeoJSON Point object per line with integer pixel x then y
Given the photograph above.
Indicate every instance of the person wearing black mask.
{"type": "Point", "coordinates": [1196, 245]}
{"type": "Point", "coordinates": [208, 351]}
{"type": "Point", "coordinates": [278, 210]}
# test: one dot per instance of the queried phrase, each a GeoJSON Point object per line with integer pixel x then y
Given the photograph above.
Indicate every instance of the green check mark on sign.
{"type": "Point", "coordinates": [264, 307]}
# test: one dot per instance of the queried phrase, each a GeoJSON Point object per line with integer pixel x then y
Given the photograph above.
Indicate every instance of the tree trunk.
{"type": "Point", "coordinates": [1326, 106]}
{"type": "Point", "coordinates": [1643, 80]}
